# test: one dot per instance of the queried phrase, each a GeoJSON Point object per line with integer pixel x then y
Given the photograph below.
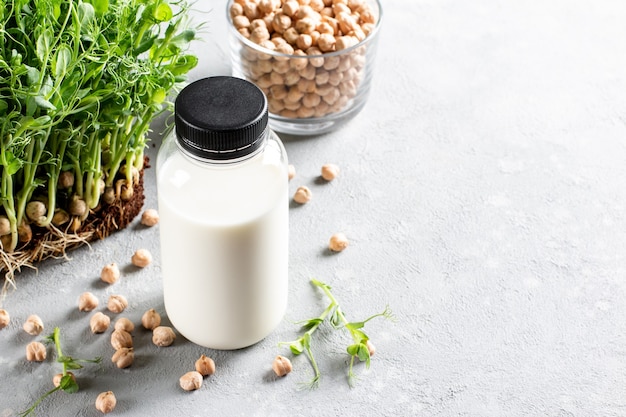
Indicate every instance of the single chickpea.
{"type": "Point", "coordinates": [327, 12]}
{"type": "Point", "coordinates": [305, 25]}
{"type": "Point", "coordinates": [5, 318]}
{"type": "Point", "coordinates": [87, 301]}
{"type": "Point", "coordinates": [367, 28]}
{"type": "Point", "coordinates": [311, 100]}
{"type": "Point", "coordinates": [305, 11]}
{"type": "Point", "coordinates": [314, 59]}
{"type": "Point", "coordinates": [278, 92]}
{"type": "Point", "coordinates": [290, 8]}
{"type": "Point", "coordinates": [99, 323]}
{"type": "Point", "coordinates": [332, 96]}
{"type": "Point", "coordinates": [190, 381]}
{"type": "Point", "coordinates": [281, 366]}
{"type": "Point", "coordinates": [292, 106]}
{"type": "Point", "coordinates": [325, 28]}
{"type": "Point", "coordinates": [123, 357]}
{"type": "Point", "coordinates": [267, 45]}
{"type": "Point", "coordinates": [151, 319]}
{"type": "Point", "coordinates": [339, 8]}
{"type": "Point", "coordinates": [36, 352]}
{"type": "Point", "coordinates": [345, 42]}
{"type": "Point", "coordinates": [321, 78]}
{"type": "Point", "coordinates": [121, 339]}
{"type": "Point", "coordinates": [265, 81]}
{"type": "Point", "coordinates": [291, 36]}
{"type": "Point", "coordinates": [251, 10]}
{"type": "Point", "coordinates": [245, 32]}
{"type": "Point", "coordinates": [236, 9]}
{"type": "Point", "coordinates": [66, 179]}
{"type": "Point", "coordinates": [77, 207]}
{"type": "Point", "coordinates": [330, 171]}
{"type": "Point", "coordinates": [110, 273]}
{"type": "Point", "coordinates": [334, 78]}
{"type": "Point", "coordinates": [259, 35]}
{"type": "Point", "coordinates": [205, 366]}
{"type": "Point", "coordinates": [322, 109]}
{"type": "Point", "coordinates": [370, 348]}
{"type": "Point", "coordinates": [163, 336]}
{"type": "Point", "coordinates": [326, 42]}
{"type": "Point", "coordinates": [306, 85]}
{"type": "Point", "coordinates": [265, 66]}
{"type": "Point", "coordinates": [280, 67]}
{"type": "Point", "coordinates": [56, 380]}
{"type": "Point", "coordinates": [305, 112]}
{"type": "Point", "coordinates": [35, 210]}
{"type": "Point", "coordinates": [333, 23]}
{"type": "Point", "coordinates": [106, 402]}
{"type": "Point", "coordinates": [276, 78]}
{"type": "Point", "coordinates": [275, 106]}
{"type": "Point", "coordinates": [150, 217]}
{"type": "Point", "coordinates": [294, 95]}
{"type": "Point", "coordinates": [124, 324]}
{"type": "Point", "coordinates": [281, 22]}
{"type": "Point", "coordinates": [338, 242]}
{"type": "Point", "coordinates": [266, 6]}
{"type": "Point", "coordinates": [258, 23]}
{"type": "Point", "coordinates": [241, 22]}
{"type": "Point", "coordinates": [33, 325]}
{"type": "Point", "coordinates": [141, 258]}
{"type": "Point", "coordinates": [291, 171]}
{"type": "Point", "coordinates": [303, 195]}
{"type": "Point", "coordinates": [357, 33]}
{"type": "Point", "coordinates": [291, 77]}
{"type": "Point", "coordinates": [299, 61]}
{"type": "Point", "coordinates": [317, 5]}
{"type": "Point", "coordinates": [290, 114]}
{"type": "Point", "coordinates": [304, 41]}
{"type": "Point", "coordinates": [117, 303]}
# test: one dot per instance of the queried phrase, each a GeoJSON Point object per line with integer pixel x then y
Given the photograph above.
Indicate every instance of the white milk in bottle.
{"type": "Point", "coordinates": [223, 206]}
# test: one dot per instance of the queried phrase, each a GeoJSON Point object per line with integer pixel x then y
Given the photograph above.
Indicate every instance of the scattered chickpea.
{"type": "Point", "coordinates": [370, 347]}
{"type": "Point", "coordinates": [106, 402]}
{"type": "Point", "coordinates": [117, 303]}
{"type": "Point", "coordinates": [56, 380]}
{"type": "Point", "coordinates": [330, 171]}
{"type": "Point", "coordinates": [150, 217]}
{"type": "Point", "coordinates": [338, 242]}
{"type": "Point", "coordinates": [60, 217]}
{"type": "Point", "coordinates": [33, 325]}
{"type": "Point", "coordinates": [303, 195]}
{"type": "Point", "coordinates": [87, 301]}
{"type": "Point", "coordinates": [205, 366]}
{"type": "Point", "coordinates": [163, 336]}
{"type": "Point", "coordinates": [99, 323]}
{"type": "Point", "coordinates": [121, 339]}
{"type": "Point", "coordinates": [141, 258]}
{"type": "Point", "coordinates": [124, 324]}
{"type": "Point", "coordinates": [5, 318]}
{"type": "Point", "coordinates": [190, 381]}
{"type": "Point", "coordinates": [151, 319]}
{"type": "Point", "coordinates": [24, 232]}
{"type": "Point", "coordinates": [110, 273]}
{"type": "Point", "coordinates": [291, 171]}
{"type": "Point", "coordinates": [123, 357]}
{"type": "Point", "coordinates": [36, 352]}
{"type": "Point", "coordinates": [281, 366]}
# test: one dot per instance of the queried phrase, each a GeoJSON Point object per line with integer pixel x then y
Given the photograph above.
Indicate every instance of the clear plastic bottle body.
{"type": "Point", "coordinates": [224, 243]}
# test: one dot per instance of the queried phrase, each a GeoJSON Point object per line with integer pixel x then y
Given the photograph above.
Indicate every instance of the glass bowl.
{"type": "Point", "coordinates": [310, 92]}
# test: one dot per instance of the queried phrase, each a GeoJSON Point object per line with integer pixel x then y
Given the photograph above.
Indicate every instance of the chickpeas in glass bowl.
{"type": "Point", "coordinates": [313, 59]}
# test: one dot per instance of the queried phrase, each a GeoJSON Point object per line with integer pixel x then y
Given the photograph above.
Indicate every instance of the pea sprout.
{"type": "Point", "coordinates": [333, 313]}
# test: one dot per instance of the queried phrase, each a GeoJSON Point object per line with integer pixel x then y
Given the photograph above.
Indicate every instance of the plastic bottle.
{"type": "Point", "coordinates": [223, 205]}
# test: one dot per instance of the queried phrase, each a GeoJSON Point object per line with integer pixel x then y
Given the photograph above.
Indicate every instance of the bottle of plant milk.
{"type": "Point", "coordinates": [223, 205]}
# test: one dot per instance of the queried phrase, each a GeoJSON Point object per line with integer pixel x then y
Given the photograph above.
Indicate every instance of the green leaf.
{"type": "Point", "coordinates": [68, 384]}
{"type": "Point", "coordinates": [3, 106]}
{"type": "Point", "coordinates": [100, 6]}
{"type": "Point", "coordinates": [43, 103]}
{"type": "Point", "coordinates": [13, 164]}
{"type": "Point", "coordinates": [183, 64]}
{"type": "Point", "coordinates": [86, 15]}
{"type": "Point", "coordinates": [159, 96]}
{"type": "Point", "coordinates": [163, 13]}
{"type": "Point", "coordinates": [43, 45]}
{"type": "Point", "coordinates": [296, 348]}
{"type": "Point", "coordinates": [32, 75]}
{"type": "Point", "coordinates": [62, 60]}
{"type": "Point", "coordinates": [309, 324]}
{"type": "Point", "coordinates": [355, 325]}
{"type": "Point", "coordinates": [335, 318]}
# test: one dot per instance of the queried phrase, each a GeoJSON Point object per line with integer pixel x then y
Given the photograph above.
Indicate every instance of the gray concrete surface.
{"type": "Point", "coordinates": [482, 189]}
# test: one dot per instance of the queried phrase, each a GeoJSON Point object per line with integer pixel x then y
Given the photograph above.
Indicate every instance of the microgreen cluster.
{"type": "Point", "coordinates": [333, 313]}
{"type": "Point", "coordinates": [80, 82]}
{"type": "Point", "coordinates": [67, 382]}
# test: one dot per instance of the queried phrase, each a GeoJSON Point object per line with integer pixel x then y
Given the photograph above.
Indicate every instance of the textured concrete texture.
{"type": "Point", "coordinates": [482, 189]}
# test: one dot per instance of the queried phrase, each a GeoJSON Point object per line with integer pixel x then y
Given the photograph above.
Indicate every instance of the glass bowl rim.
{"type": "Point", "coordinates": [258, 48]}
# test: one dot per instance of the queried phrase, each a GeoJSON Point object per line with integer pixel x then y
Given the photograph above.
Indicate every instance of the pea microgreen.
{"type": "Point", "coordinates": [67, 382]}
{"type": "Point", "coordinates": [334, 315]}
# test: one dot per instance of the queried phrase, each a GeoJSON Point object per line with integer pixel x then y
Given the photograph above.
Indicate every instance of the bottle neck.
{"type": "Point", "coordinates": [222, 158]}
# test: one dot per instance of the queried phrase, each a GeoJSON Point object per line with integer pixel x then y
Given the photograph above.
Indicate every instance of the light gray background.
{"type": "Point", "coordinates": [482, 189]}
